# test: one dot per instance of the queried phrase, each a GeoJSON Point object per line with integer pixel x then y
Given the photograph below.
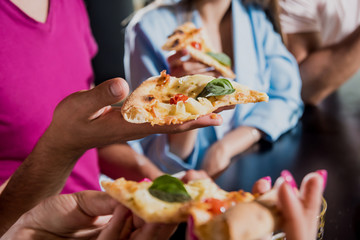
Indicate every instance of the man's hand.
{"type": "Point", "coordinates": [85, 120]}
{"type": "Point", "coordinates": [81, 121]}
{"type": "Point", "coordinates": [84, 215]}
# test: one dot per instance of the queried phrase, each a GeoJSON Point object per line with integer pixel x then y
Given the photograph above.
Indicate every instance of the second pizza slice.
{"type": "Point", "coordinates": [165, 100]}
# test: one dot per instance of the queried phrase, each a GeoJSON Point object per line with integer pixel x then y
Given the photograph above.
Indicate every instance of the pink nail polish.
{"type": "Point", "coordinates": [268, 179]}
{"type": "Point", "coordinates": [145, 180]}
{"type": "Point", "coordinates": [289, 178]}
{"type": "Point", "coordinates": [323, 173]}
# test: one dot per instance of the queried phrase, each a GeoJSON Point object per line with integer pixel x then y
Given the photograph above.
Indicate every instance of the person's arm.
{"type": "Point", "coordinates": [323, 70]}
{"type": "Point", "coordinates": [41, 175]}
{"type": "Point", "coordinates": [120, 160]}
{"type": "Point", "coordinates": [280, 79]}
{"type": "Point", "coordinates": [77, 125]}
{"type": "Point", "coordinates": [219, 155]}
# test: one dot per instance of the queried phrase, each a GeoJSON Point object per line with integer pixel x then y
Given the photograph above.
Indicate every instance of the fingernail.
{"type": "Point", "coordinates": [99, 113]}
{"type": "Point", "coordinates": [116, 89]}
{"type": "Point", "coordinates": [268, 179]}
{"type": "Point", "coordinates": [323, 173]}
{"type": "Point", "coordinates": [145, 180]}
{"type": "Point", "coordinates": [289, 178]}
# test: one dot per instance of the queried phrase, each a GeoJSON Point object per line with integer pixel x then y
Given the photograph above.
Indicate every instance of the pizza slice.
{"type": "Point", "coordinates": [167, 199]}
{"type": "Point", "coordinates": [232, 220]}
{"type": "Point", "coordinates": [188, 37]}
{"type": "Point", "coordinates": [169, 100]}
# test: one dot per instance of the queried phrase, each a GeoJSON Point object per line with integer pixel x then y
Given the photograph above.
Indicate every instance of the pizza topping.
{"type": "Point", "coordinates": [217, 87]}
{"type": "Point", "coordinates": [163, 79]}
{"type": "Point", "coordinates": [177, 98]}
{"type": "Point", "coordinates": [169, 189]}
{"type": "Point", "coordinates": [217, 206]}
{"type": "Point", "coordinates": [221, 58]}
{"type": "Point", "coordinates": [196, 45]}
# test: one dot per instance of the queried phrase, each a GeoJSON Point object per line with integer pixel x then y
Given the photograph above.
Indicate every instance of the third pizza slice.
{"type": "Point", "coordinates": [167, 199]}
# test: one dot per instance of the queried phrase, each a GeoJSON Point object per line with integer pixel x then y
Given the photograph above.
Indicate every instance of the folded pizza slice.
{"type": "Point", "coordinates": [169, 100]}
{"type": "Point", "coordinates": [167, 199]}
{"type": "Point", "coordinates": [192, 39]}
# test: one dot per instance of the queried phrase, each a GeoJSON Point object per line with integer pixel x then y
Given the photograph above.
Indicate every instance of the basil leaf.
{"type": "Point", "coordinates": [217, 87]}
{"type": "Point", "coordinates": [169, 189]}
{"type": "Point", "coordinates": [221, 58]}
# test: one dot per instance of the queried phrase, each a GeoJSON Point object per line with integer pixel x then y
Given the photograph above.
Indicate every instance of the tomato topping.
{"type": "Point", "coordinates": [196, 45]}
{"type": "Point", "coordinates": [217, 206]}
{"type": "Point", "coordinates": [177, 98]}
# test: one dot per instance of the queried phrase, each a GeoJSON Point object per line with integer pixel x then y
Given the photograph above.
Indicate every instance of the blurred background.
{"type": "Point", "coordinates": [108, 21]}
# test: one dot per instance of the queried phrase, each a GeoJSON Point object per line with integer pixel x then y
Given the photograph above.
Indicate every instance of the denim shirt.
{"type": "Point", "coordinates": [261, 62]}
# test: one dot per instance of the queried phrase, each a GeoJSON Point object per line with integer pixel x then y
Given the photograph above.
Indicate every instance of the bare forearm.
{"type": "Point", "coordinates": [182, 144]}
{"type": "Point", "coordinates": [324, 70]}
{"type": "Point", "coordinates": [120, 160]}
{"type": "Point", "coordinates": [240, 139]}
{"type": "Point", "coordinates": [41, 175]}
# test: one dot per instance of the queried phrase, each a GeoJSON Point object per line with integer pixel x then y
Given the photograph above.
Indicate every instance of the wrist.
{"type": "Point", "coordinates": [223, 148]}
{"type": "Point", "coordinates": [51, 145]}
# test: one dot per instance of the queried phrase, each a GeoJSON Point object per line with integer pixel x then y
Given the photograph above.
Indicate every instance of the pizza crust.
{"type": "Point", "coordinates": [150, 102]}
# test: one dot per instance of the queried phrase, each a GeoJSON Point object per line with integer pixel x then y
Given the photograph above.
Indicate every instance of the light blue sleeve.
{"type": "Point", "coordinates": [143, 59]}
{"type": "Point", "coordinates": [285, 106]}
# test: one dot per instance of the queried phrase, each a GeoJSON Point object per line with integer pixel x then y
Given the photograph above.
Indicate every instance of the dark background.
{"type": "Point", "coordinates": [108, 18]}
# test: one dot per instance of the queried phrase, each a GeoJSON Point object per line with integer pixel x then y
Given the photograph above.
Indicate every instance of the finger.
{"type": "Point", "coordinates": [138, 222]}
{"type": "Point", "coordinates": [262, 185]}
{"type": "Point", "coordinates": [107, 93]}
{"type": "Point", "coordinates": [311, 192]}
{"type": "Point", "coordinates": [95, 203]}
{"type": "Point", "coordinates": [292, 212]}
{"type": "Point", "coordinates": [155, 231]}
{"type": "Point", "coordinates": [117, 224]}
{"type": "Point", "coordinates": [131, 131]}
{"type": "Point", "coordinates": [100, 112]}
{"type": "Point", "coordinates": [212, 119]}
{"type": "Point", "coordinates": [193, 175]}
{"type": "Point", "coordinates": [175, 58]}
{"type": "Point", "coordinates": [289, 203]}
{"type": "Point", "coordinates": [190, 234]}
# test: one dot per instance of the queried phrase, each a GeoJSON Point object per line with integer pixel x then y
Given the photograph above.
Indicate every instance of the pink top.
{"type": "Point", "coordinates": [40, 64]}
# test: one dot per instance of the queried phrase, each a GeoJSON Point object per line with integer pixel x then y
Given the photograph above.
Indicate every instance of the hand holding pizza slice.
{"type": "Point", "coordinates": [166, 100]}
{"type": "Point", "coordinates": [188, 37]}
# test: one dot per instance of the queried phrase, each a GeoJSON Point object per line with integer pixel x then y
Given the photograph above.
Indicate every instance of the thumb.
{"type": "Point", "coordinates": [107, 93]}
